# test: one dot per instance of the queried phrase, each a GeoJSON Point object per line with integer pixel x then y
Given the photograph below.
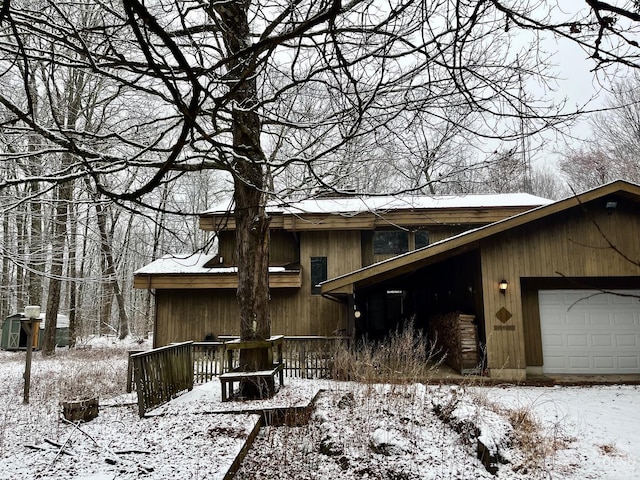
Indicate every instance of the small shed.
{"type": "Point", "coordinates": [62, 331]}
{"type": "Point", "coordinates": [14, 337]}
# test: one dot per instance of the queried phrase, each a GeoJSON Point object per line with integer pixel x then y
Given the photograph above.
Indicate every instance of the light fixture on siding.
{"type": "Point", "coordinates": [503, 286]}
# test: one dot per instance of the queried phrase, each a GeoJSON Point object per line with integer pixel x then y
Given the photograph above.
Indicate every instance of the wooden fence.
{"type": "Point", "coordinates": [160, 374]}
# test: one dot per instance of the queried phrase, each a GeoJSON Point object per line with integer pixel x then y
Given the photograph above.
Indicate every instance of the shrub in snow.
{"type": "Point", "coordinates": [386, 442]}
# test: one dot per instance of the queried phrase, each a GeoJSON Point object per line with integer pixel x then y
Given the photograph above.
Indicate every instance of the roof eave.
{"type": "Point", "coordinates": [465, 241]}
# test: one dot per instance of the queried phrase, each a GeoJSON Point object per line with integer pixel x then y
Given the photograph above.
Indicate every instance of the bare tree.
{"type": "Point", "coordinates": [203, 85]}
{"type": "Point", "coordinates": [614, 148]}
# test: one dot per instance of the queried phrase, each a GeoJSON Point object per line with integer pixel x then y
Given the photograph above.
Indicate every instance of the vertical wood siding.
{"type": "Point", "coordinates": [283, 247]}
{"type": "Point", "coordinates": [564, 245]}
{"type": "Point", "coordinates": [192, 314]}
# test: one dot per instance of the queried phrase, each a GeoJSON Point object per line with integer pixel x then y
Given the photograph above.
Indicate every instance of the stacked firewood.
{"type": "Point", "coordinates": [457, 336]}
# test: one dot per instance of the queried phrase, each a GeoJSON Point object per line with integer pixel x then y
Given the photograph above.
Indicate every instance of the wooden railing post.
{"type": "Point", "coordinates": [130, 370]}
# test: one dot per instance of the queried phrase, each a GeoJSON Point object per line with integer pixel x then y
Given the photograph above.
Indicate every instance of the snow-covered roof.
{"type": "Point", "coordinates": [405, 202]}
{"type": "Point", "coordinates": [188, 263]}
{"type": "Point", "coordinates": [62, 322]}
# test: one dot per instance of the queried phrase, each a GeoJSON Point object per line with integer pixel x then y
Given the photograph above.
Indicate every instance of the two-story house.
{"type": "Point", "coordinates": [313, 241]}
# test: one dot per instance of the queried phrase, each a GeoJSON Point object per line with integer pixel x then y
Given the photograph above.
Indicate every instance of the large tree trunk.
{"type": "Point", "coordinates": [110, 271]}
{"type": "Point", "coordinates": [36, 249]}
{"type": "Point", "coordinates": [5, 277]}
{"type": "Point", "coordinates": [73, 245]}
{"type": "Point", "coordinates": [252, 223]}
{"type": "Point", "coordinates": [57, 262]}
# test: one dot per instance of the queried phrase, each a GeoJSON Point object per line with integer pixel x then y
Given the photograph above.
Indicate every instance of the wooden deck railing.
{"type": "Point", "coordinates": [310, 357]}
{"type": "Point", "coordinates": [160, 374]}
{"type": "Point", "coordinates": [304, 357]}
{"type": "Point", "coordinates": [208, 360]}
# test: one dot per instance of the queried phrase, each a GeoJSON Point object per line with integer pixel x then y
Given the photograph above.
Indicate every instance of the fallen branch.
{"type": "Point", "coordinates": [35, 447]}
{"type": "Point", "coordinates": [61, 447]}
{"type": "Point", "coordinates": [124, 452]}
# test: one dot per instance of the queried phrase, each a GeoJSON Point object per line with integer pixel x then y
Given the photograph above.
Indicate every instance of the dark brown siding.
{"type": "Point", "coordinates": [283, 249]}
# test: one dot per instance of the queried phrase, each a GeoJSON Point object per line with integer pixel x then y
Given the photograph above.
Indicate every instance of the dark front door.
{"type": "Point", "coordinates": [385, 311]}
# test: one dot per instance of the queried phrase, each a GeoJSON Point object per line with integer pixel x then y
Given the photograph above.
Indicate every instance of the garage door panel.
{"type": "Point", "coordinates": [571, 297]}
{"type": "Point", "coordinates": [624, 319]}
{"type": "Point", "coordinates": [577, 340]}
{"type": "Point", "coordinates": [601, 340]}
{"type": "Point", "coordinates": [596, 298]}
{"type": "Point", "coordinates": [551, 297]}
{"type": "Point", "coordinates": [632, 363]}
{"type": "Point", "coordinates": [576, 362]}
{"type": "Point", "coordinates": [624, 299]}
{"type": "Point", "coordinates": [589, 332]}
{"type": "Point", "coordinates": [575, 319]}
{"type": "Point", "coordinates": [600, 319]}
{"type": "Point", "coordinates": [628, 340]}
{"type": "Point", "coordinates": [604, 363]}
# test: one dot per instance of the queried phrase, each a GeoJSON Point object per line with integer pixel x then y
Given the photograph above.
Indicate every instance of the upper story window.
{"type": "Point", "coordinates": [390, 242]}
{"type": "Point", "coordinates": [318, 273]}
{"type": "Point", "coordinates": [422, 238]}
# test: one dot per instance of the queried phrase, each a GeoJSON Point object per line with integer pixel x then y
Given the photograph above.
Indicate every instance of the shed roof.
{"type": "Point", "coordinates": [466, 241]}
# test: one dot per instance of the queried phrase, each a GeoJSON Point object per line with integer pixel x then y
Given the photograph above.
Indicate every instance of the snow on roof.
{"type": "Point", "coordinates": [405, 202]}
{"type": "Point", "coordinates": [187, 263]}
{"type": "Point", "coordinates": [62, 321]}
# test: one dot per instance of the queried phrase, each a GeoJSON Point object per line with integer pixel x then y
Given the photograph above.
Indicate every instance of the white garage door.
{"type": "Point", "coordinates": [584, 331]}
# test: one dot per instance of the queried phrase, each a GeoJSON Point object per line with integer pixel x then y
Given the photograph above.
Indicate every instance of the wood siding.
{"type": "Point", "coordinates": [342, 249]}
{"type": "Point", "coordinates": [184, 315]}
{"type": "Point", "coordinates": [283, 248]}
{"type": "Point", "coordinates": [564, 245]}
{"type": "Point", "coordinates": [191, 314]}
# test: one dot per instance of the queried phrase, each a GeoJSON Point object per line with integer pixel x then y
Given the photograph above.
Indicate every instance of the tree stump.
{"type": "Point", "coordinates": [80, 410]}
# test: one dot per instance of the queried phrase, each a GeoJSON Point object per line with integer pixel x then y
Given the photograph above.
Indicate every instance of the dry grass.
{"type": "Point", "coordinates": [609, 449]}
{"type": "Point", "coordinates": [538, 444]}
{"type": "Point", "coordinates": [70, 374]}
{"type": "Point", "coordinates": [405, 356]}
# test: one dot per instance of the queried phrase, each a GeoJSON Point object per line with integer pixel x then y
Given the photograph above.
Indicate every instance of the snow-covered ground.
{"type": "Point", "coordinates": [356, 431]}
{"type": "Point", "coordinates": [601, 426]}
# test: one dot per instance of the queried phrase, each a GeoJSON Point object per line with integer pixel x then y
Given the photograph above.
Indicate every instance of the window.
{"type": "Point", "coordinates": [318, 273]}
{"type": "Point", "coordinates": [422, 238]}
{"type": "Point", "coordinates": [390, 242]}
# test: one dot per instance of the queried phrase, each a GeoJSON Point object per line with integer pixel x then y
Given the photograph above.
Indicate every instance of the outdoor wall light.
{"type": "Point", "coordinates": [503, 286]}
